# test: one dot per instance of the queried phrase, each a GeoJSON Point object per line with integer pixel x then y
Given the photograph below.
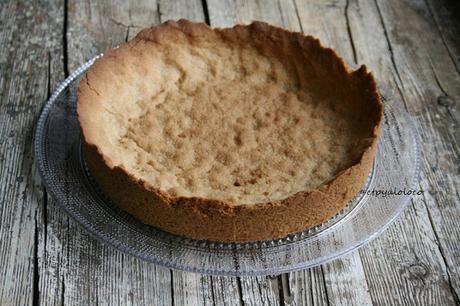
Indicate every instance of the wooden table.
{"type": "Point", "coordinates": [412, 46]}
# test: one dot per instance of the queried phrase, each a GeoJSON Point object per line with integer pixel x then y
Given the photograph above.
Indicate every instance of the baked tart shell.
{"type": "Point", "coordinates": [223, 220]}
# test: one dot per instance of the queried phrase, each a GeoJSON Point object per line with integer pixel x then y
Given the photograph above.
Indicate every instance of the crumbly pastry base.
{"type": "Point", "coordinates": [220, 219]}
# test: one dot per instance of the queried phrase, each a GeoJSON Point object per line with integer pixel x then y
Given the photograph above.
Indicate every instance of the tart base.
{"type": "Point", "coordinates": [212, 218]}
{"type": "Point", "coordinates": [218, 221]}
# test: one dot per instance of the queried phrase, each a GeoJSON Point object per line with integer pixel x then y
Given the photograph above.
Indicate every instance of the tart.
{"type": "Point", "coordinates": [237, 134]}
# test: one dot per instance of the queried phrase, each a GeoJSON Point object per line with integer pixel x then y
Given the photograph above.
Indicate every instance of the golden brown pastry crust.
{"type": "Point", "coordinates": [215, 220]}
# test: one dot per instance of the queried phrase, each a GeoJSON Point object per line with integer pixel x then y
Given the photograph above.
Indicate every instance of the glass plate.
{"type": "Point", "coordinates": [61, 165]}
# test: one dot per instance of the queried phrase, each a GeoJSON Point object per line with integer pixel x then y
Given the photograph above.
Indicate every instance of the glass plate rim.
{"type": "Point", "coordinates": [108, 240]}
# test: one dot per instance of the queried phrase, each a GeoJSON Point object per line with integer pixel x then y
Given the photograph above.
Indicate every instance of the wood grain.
{"type": "Point", "coordinates": [432, 86]}
{"type": "Point", "coordinates": [416, 254]}
{"type": "Point", "coordinates": [445, 14]}
{"type": "Point", "coordinates": [84, 271]}
{"type": "Point", "coordinates": [411, 45]}
{"type": "Point", "coordinates": [369, 44]}
{"type": "Point", "coordinates": [305, 287]}
{"type": "Point", "coordinates": [287, 15]}
{"type": "Point", "coordinates": [253, 290]}
{"type": "Point", "coordinates": [25, 61]}
{"type": "Point", "coordinates": [344, 279]}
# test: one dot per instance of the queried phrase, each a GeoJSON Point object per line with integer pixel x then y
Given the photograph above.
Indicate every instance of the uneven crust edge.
{"type": "Point", "coordinates": [219, 221]}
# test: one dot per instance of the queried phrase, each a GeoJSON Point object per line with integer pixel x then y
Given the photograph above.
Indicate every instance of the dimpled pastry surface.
{"type": "Point", "coordinates": [221, 120]}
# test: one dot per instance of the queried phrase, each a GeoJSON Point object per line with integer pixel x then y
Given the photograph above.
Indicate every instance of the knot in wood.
{"type": "Point", "coordinates": [445, 100]}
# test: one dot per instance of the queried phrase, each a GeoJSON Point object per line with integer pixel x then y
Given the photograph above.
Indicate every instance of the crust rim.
{"type": "Point", "coordinates": [202, 218]}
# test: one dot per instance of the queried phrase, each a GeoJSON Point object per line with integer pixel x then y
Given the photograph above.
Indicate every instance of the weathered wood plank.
{"type": "Point", "coordinates": [445, 14]}
{"type": "Point", "coordinates": [265, 290]}
{"type": "Point", "coordinates": [346, 282]}
{"type": "Point", "coordinates": [306, 287]}
{"type": "Point", "coordinates": [192, 288]}
{"type": "Point", "coordinates": [344, 278]}
{"type": "Point", "coordinates": [254, 290]}
{"type": "Point", "coordinates": [433, 82]}
{"type": "Point", "coordinates": [262, 290]}
{"type": "Point", "coordinates": [94, 26]}
{"type": "Point", "coordinates": [357, 46]}
{"type": "Point", "coordinates": [28, 35]}
{"type": "Point", "coordinates": [83, 252]}
{"type": "Point", "coordinates": [120, 279]}
{"type": "Point", "coordinates": [185, 286]}
{"type": "Point", "coordinates": [52, 253]}
{"type": "Point", "coordinates": [226, 13]}
{"type": "Point", "coordinates": [77, 269]}
{"type": "Point", "coordinates": [175, 10]}
{"type": "Point", "coordinates": [288, 15]}
{"type": "Point", "coordinates": [410, 266]}
{"type": "Point", "coordinates": [315, 18]}
{"type": "Point", "coordinates": [225, 291]}
{"type": "Point", "coordinates": [50, 276]}
{"type": "Point", "coordinates": [404, 266]}
{"type": "Point", "coordinates": [196, 289]}
{"type": "Point", "coordinates": [401, 269]}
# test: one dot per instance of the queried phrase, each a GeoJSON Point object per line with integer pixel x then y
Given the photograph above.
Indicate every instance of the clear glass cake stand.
{"type": "Point", "coordinates": [61, 165]}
